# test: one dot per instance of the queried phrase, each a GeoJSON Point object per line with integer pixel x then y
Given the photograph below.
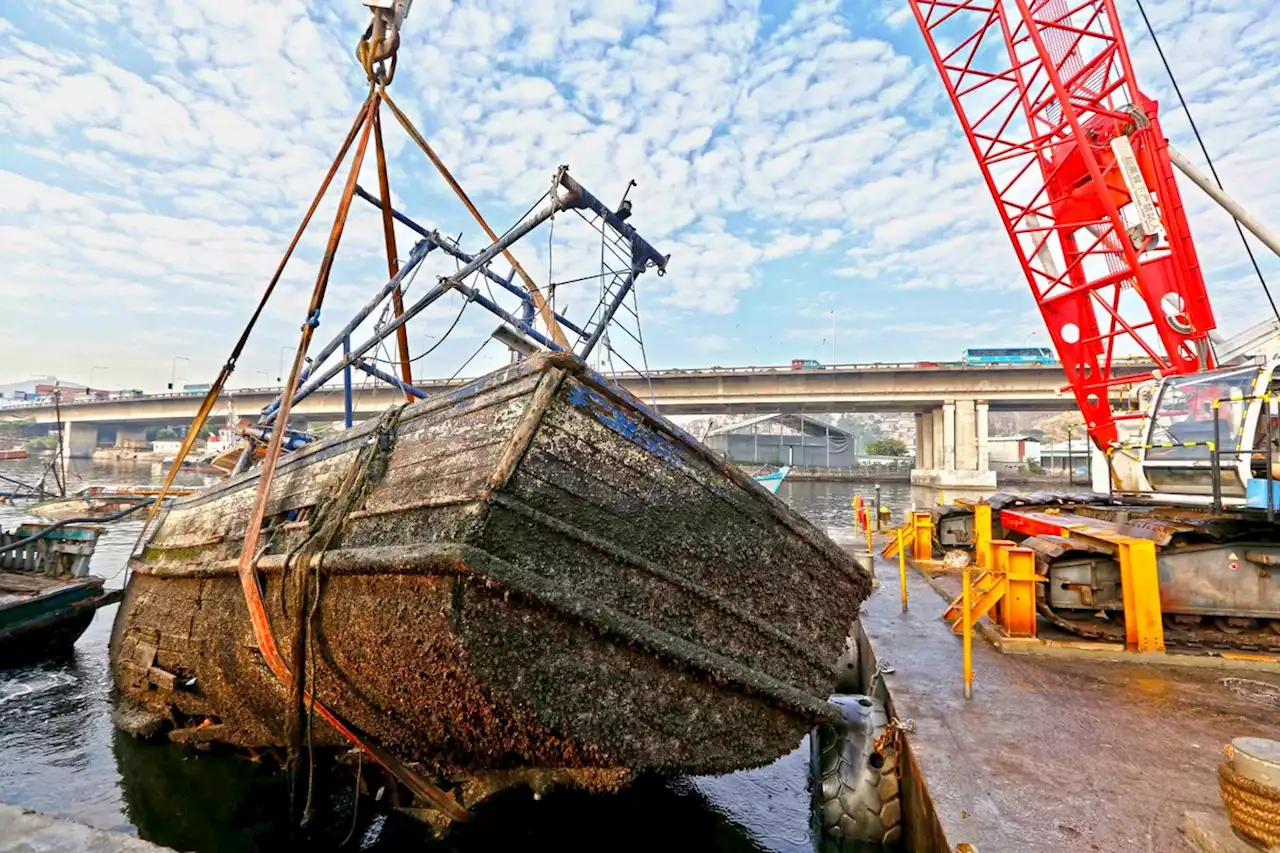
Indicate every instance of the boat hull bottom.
{"type": "Point", "coordinates": [441, 670]}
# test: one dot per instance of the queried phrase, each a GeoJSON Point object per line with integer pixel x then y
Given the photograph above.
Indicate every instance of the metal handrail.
{"type": "Point", "coordinates": [885, 366]}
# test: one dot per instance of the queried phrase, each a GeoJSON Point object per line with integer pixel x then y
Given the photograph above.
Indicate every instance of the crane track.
{"type": "Point", "coordinates": [1191, 638]}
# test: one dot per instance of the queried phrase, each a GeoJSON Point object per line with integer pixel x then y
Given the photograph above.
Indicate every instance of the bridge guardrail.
{"type": "Point", "coordinates": [675, 372]}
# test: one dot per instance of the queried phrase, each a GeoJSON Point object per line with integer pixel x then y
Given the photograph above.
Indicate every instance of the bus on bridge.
{"type": "Point", "coordinates": [1010, 355]}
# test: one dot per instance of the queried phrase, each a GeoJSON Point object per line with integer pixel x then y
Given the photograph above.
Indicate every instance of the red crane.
{"type": "Point", "coordinates": [1073, 154]}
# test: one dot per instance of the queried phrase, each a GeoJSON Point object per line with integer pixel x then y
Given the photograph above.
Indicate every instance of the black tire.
{"type": "Point", "coordinates": [850, 667]}
{"type": "Point", "coordinates": [856, 793]}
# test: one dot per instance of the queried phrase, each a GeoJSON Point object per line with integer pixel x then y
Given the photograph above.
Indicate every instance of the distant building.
{"type": "Point", "coordinates": [166, 446]}
{"type": "Point", "coordinates": [784, 439]}
{"type": "Point", "coordinates": [19, 392]}
{"type": "Point", "coordinates": [1013, 452]}
{"type": "Point", "coordinates": [1061, 457]}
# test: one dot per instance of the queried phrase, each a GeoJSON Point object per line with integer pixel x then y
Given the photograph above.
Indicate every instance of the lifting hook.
{"type": "Point", "coordinates": [381, 39]}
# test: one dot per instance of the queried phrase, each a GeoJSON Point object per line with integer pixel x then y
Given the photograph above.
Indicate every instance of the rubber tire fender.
{"type": "Point", "coordinates": [857, 799]}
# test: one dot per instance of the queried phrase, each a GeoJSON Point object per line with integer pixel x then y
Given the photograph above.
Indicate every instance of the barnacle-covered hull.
{"type": "Point", "coordinates": [532, 571]}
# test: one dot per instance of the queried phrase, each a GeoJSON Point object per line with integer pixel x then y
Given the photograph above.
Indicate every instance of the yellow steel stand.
{"type": "Point", "coordinates": [902, 570]}
{"type": "Point", "coordinates": [922, 535]}
{"type": "Point", "coordinates": [982, 535]}
{"type": "Point", "coordinates": [1000, 569]}
{"type": "Point", "coordinates": [981, 593]}
{"type": "Point", "coordinates": [1018, 606]}
{"type": "Point", "coordinates": [1140, 584]}
{"type": "Point", "coordinates": [897, 543]}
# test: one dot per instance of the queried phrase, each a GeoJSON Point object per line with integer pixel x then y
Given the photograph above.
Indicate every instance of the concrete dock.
{"type": "Point", "coordinates": [25, 831]}
{"type": "Point", "coordinates": [1054, 754]}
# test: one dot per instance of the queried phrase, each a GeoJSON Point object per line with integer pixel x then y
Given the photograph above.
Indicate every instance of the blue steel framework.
{"type": "Point", "coordinates": [566, 195]}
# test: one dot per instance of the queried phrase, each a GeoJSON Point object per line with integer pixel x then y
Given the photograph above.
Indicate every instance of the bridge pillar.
{"type": "Point", "coordinates": [924, 439]}
{"type": "Point", "coordinates": [948, 459]}
{"type": "Point", "coordinates": [131, 438]}
{"type": "Point", "coordinates": [981, 412]}
{"type": "Point", "coordinates": [79, 440]}
{"type": "Point", "coordinates": [959, 462]}
{"type": "Point", "coordinates": [937, 457]}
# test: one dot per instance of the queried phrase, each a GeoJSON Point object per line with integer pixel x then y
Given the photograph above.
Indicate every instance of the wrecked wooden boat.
{"type": "Point", "coordinates": [537, 572]}
{"type": "Point", "coordinates": [528, 578]}
{"type": "Point", "coordinates": [47, 596]}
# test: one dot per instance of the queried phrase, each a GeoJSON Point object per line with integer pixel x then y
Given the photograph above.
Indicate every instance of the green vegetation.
{"type": "Point", "coordinates": [886, 447]}
{"type": "Point", "coordinates": [39, 443]}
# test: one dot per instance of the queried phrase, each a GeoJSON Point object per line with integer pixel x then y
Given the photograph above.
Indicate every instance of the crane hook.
{"type": "Point", "coordinates": [381, 39]}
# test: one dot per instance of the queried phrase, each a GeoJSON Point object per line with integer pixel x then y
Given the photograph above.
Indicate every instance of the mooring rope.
{"type": "Point", "coordinates": [1252, 807]}
{"type": "Point", "coordinates": [305, 576]}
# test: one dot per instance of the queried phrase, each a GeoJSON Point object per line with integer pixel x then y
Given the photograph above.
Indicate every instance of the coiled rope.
{"type": "Point", "coordinates": [1252, 807]}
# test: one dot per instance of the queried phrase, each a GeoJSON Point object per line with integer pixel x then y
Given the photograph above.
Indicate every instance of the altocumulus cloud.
{"type": "Point", "coordinates": [795, 159]}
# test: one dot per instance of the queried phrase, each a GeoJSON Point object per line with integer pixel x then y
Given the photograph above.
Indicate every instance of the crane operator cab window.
{"type": "Point", "coordinates": [1177, 457]}
{"type": "Point", "coordinates": [1268, 432]}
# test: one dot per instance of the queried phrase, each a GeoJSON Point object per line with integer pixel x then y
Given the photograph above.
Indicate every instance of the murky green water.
{"type": "Point", "coordinates": [60, 754]}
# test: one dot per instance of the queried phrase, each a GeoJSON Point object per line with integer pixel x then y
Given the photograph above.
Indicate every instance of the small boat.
{"type": "Point", "coordinates": [774, 479]}
{"type": "Point", "coordinates": [47, 596]}
{"type": "Point", "coordinates": [97, 502]}
{"type": "Point", "coordinates": [14, 453]}
{"type": "Point", "coordinates": [531, 573]}
{"type": "Point", "coordinates": [203, 465]}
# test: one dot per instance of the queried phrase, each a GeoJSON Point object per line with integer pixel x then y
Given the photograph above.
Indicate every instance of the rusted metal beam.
{"type": "Point", "coordinates": [245, 569]}
{"type": "Point", "coordinates": [544, 308]}
{"type": "Point", "coordinates": [393, 263]}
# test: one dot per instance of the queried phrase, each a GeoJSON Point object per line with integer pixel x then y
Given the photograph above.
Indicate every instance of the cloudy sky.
{"type": "Point", "coordinates": [799, 162]}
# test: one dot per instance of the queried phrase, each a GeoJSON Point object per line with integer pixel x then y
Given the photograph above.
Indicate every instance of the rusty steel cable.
{"type": "Point", "coordinates": [540, 302]}
{"type": "Point", "coordinates": [247, 573]}
{"type": "Point", "coordinates": [211, 397]}
{"type": "Point", "coordinates": [393, 263]}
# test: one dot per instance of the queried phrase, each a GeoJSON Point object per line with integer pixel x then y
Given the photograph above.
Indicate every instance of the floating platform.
{"type": "Point", "coordinates": [1052, 753]}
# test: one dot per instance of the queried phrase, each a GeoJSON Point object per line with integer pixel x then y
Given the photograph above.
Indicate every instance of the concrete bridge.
{"type": "Point", "coordinates": [951, 402]}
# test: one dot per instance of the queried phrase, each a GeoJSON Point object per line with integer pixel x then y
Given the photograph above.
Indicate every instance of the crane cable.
{"type": "Point", "coordinates": [1205, 151]}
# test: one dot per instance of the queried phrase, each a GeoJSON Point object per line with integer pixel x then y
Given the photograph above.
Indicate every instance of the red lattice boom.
{"type": "Point", "coordinates": [1046, 95]}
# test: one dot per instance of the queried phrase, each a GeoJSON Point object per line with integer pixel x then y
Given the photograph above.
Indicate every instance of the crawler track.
{"type": "Point", "coordinates": [1203, 638]}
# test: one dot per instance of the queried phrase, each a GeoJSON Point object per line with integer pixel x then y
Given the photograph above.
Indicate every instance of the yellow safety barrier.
{"type": "Point", "coordinates": [966, 614]}
{"type": "Point", "coordinates": [902, 570]}
{"type": "Point", "coordinates": [1001, 584]}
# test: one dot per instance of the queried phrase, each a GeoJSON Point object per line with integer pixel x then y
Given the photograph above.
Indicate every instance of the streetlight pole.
{"type": "Point", "coordinates": [173, 374]}
{"type": "Point", "coordinates": [91, 372]}
{"type": "Point", "coordinates": [280, 369]}
{"type": "Point", "coordinates": [833, 337]}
